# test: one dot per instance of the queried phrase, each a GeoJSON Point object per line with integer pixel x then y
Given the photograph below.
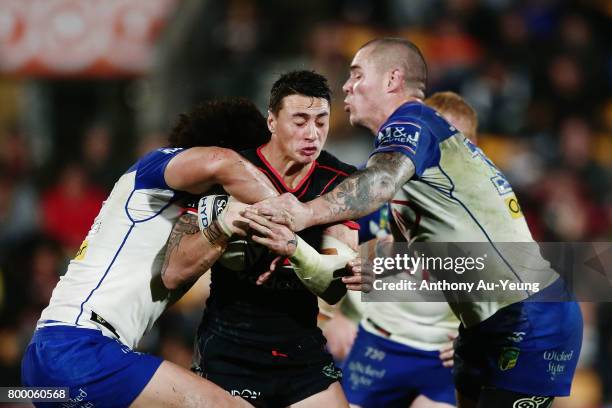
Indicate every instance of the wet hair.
{"type": "Point", "coordinates": [307, 83]}
{"type": "Point", "coordinates": [233, 123]}
{"type": "Point", "coordinates": [391, 52]}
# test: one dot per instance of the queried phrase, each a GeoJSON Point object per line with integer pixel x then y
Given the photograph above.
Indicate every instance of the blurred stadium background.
{"type": "Point", "coordinates": [87, 86]}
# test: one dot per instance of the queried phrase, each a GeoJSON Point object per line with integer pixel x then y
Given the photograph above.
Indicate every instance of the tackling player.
{"type": "Point", "coordinates": [408, 338]}
{"type": "Point", "coordinates": [113, 293]}
{"type": "Point", "coordinates": [259, 337]}
{"type": "Point", "coordinates": [503, 352]}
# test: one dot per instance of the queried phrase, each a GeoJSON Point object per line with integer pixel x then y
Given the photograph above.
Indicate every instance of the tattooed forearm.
{"type": "Point", "coordinates": [215, 235]}
{"type": "Point", "coordinates": [187, 224]}
{"type": "Point", "coordinates": [188, 254]}
{"type": "Point", "coordinates": [368, 189]}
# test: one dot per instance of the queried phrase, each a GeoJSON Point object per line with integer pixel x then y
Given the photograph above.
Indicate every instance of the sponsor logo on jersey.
{"type": "Point", "coordinates": [331, 371]}
{"type": "Point", "coordinates": [532, 402]}
{"type": "Point", "coordinates": [246, 393]}
{"type": "Point", "coordinates": [170, 150]}
{"type": "Point", "coordinates": [508, 358]}
{"type": "Point", "coordinates": [78, 400]}
{"type": "Point", "coordinates": [80, 255]}
{"type": "Point", "coordinates": [500, 182]}
{"type": "Point", "coordinates": [399, 135]}
{"type": "Point", "coordinates": [516, 337]}
{"type": "Point", "coordinates": [557, 361]}
{"type": "Point", "coordinates": [513, 207]}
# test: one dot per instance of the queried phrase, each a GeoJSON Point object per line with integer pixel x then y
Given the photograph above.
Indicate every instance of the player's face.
{"type": "Point", "coordinates": [300, 127]}
{"type": "Point", "coordinates": [364, 91]}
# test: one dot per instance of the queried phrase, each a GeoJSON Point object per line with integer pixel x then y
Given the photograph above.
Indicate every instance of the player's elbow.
{"type": "Point", "coordinates": [173, 277]}
{"type": "Point", "coordinates": [222, 165]}
{"type": "Point", "coordinates": [387, 187]}
{"type": "Point", "coordinates": [170, 280]}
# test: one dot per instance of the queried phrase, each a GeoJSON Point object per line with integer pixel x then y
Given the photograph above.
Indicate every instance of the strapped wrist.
{"type": "Point", "coordinates": [221, 221]}
{"type": "Point", "coordinates": [215, 235]}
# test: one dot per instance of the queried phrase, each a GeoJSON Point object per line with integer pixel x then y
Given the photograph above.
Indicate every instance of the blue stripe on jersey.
{"type": "Point", "coordinates": [127, 212]}
{"type": "Point", "coordinates": [477, 223]}
{"type": "Point", "coordinates": [149, 174]}
{"type": "Point", "coordinates": [105, 273]}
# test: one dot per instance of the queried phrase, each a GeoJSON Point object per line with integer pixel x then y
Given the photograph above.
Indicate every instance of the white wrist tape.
{"type": "Point", "coordinates": [315, 270]}
{"type": "Point", "coordinates": [211, 208]}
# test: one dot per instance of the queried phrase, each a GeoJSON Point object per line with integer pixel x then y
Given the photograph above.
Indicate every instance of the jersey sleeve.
{"type": "Point", "coordinates": [410, 139]}
{"type": "Point", "coordinates": [150, 169]}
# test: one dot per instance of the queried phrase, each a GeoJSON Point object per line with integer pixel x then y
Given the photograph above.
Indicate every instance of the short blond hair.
{"type": "Point", "coordinates": [449, 104]}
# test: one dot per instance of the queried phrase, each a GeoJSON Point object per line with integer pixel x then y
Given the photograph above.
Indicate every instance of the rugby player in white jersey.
{"type": "Point", "coordinates": [112, 292]}
{"type": "Point", "coordinates": [505, 348]}
{"type": "Point", "coordinates": [410, 338]}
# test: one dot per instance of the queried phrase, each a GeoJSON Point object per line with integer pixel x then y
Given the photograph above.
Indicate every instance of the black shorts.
{"type": "Point", "coordinates": [267, 376]}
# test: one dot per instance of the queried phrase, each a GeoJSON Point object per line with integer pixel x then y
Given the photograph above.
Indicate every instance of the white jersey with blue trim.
{"type": "Point", "coordinates": [456, 195]}
{"type": "Point", "coordinates": [114, 282]}
{"type": "Point", "coordinates": [421, 325]}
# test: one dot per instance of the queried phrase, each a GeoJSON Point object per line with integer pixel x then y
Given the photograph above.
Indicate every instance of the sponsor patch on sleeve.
{"type": "Point", "coordinates": [513, 207]}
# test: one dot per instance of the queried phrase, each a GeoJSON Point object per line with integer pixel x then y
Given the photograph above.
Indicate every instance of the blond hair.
{"type": "Point", "coordinates": [452, 106]}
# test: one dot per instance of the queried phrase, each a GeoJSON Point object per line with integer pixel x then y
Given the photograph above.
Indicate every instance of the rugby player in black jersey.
{"type": "Point", "coordinates": [259, 337]}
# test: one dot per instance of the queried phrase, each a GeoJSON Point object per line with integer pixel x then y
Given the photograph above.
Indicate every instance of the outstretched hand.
{"type": "Point", "coordinates": [286, 210]}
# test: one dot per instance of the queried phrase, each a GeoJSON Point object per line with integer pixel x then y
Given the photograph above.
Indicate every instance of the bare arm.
{"type": "Point", "coordinates": [342, 233]}
{"type": "Point", "coordinates": [197, 169]}
{"type": "Point", "coordinates": [364, 191]}
{"type": "Point", "coordinates": [189, 253]}
{"type": "Point", "coordinates": [358, 195]}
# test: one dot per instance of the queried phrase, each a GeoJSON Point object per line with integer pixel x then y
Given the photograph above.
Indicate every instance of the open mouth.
{"type": "Point", "coordinates": [308, 151]}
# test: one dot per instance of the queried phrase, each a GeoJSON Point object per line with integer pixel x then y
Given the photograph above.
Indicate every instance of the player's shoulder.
{"type": "Point", "coordinates": [150, 168]}
{"type": "Point", "coordinates": [330, 163]}
{"type": "Point", "coordinates": [414, 112]}
{"type": "Point", "coordinates": [250, 154]}
{"type": "Point", "coordinates": [420, 117]}
{"type": "Point", "coordinates": [162, 153]}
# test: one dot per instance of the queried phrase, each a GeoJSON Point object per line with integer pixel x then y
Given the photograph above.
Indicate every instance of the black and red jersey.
{"type": "Point", "coordinates": [281, 310]}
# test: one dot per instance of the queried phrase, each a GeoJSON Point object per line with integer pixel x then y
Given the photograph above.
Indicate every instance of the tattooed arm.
{"type": "Point", "coordinates": [190, 253]}
{"type": "Point", "coordinates": [358, 195]}
{"type": "Point", "coordinates": [364, 191]}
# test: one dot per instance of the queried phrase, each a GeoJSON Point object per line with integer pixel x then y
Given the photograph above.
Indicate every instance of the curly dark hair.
{"type": "Point", "coordinates": [307, 83]}
{"type": "Point", "coordinates": [233, 123]}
